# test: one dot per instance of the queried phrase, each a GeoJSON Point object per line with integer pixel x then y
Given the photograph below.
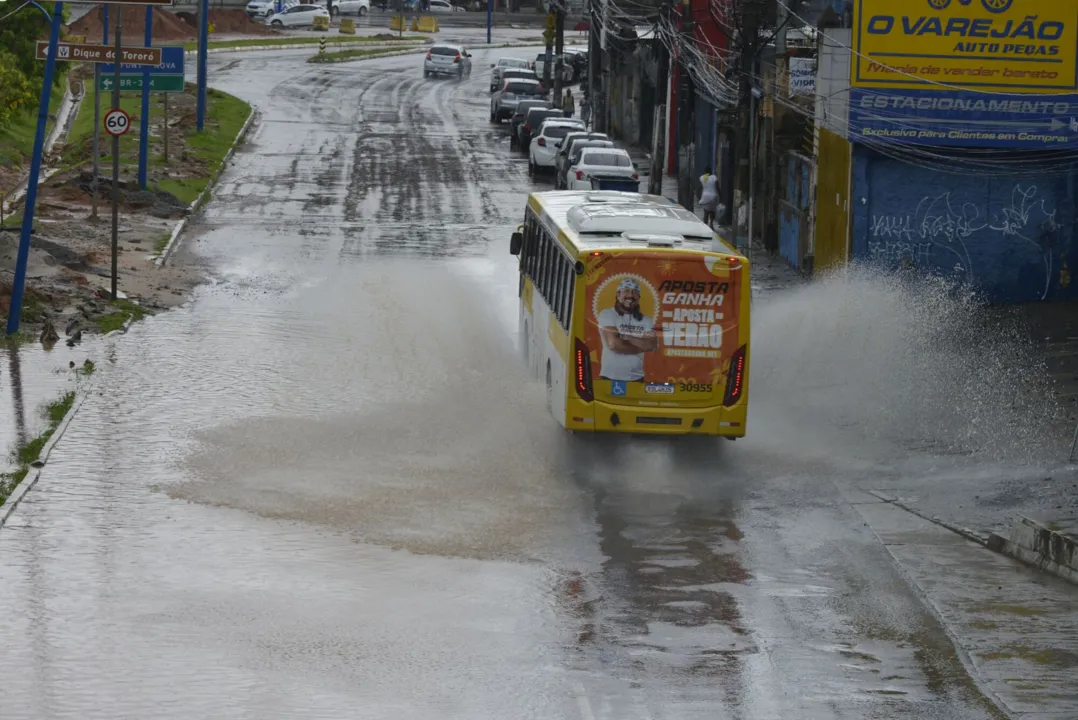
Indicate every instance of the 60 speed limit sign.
{"type": "Point", "coordinates": [117, 122]}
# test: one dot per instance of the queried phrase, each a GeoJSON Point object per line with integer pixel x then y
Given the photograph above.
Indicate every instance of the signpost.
{"type": "Point", "coordinates": [82, 52]}
{"type": "Point", "coordinates": [52, 52]}
{"type": "Point", "coordinates": [117, 122]}
{"type": "Point", "coordinates": [133, 83]}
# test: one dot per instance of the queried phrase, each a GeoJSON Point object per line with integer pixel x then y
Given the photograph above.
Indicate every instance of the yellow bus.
{"type": "Point", "coordinates": [635, 313]}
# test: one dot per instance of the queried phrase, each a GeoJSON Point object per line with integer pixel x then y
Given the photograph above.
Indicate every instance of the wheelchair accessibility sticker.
{"type": "Point", "coordinates": [618, 388]}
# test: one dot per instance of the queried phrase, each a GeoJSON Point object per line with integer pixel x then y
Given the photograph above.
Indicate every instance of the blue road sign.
{"type": "Point", "coordinates": [964, 119]}
{"type": "Point", "coordinates": [171, 64]}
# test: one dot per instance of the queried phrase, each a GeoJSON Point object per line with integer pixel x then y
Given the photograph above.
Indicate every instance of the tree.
{"type": "Point", "coordinates": [21, 73]}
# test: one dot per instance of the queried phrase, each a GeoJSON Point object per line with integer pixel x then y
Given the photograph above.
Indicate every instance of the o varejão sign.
{"type": "Point", "coordinates": [1016, 46]}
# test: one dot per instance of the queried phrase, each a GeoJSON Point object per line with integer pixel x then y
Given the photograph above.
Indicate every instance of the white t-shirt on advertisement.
{"type": "Point", "coordinates": [622, 366]}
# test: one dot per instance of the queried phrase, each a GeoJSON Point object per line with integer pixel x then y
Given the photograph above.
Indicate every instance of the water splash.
{"type": "Point", "coordinates": [917, 363]}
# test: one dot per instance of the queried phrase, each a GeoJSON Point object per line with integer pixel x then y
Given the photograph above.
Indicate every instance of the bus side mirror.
{"type": "Point", "coordinates": [515, 242]}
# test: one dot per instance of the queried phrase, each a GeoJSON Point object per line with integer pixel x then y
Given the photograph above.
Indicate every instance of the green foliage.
{"type": "Point", "coordinates": [19, 34]}
{"type": "Point", "coordinates": [21, 73]}
{"type": "Point", "coordinates": [16, 91]}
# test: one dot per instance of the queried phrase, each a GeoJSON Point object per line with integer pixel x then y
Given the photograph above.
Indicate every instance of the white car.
{"type": "Point", "coordinates": [448, 60]}
{"type": "Point", "coordinates": [298, 16]}
{"type": "Point", "coordinates": [544, 145]}
{"type": "Point", "coordinates": [497, 71]}
{"type": "Point", "coordinates": [606, 162]}
{"type": "Point", "coordinates": [262, 9]}
{"type": "Point", "coordinates": [443, 6]}
{"type": "Point", "coordinates": [351, 7]}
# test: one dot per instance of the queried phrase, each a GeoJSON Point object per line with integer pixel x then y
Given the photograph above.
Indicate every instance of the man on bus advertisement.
{"type": "Point", "coordinates": [667, 322]}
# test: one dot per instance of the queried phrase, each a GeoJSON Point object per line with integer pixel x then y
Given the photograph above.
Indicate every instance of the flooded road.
{"type": "Point", "coordinates": [325, 488]}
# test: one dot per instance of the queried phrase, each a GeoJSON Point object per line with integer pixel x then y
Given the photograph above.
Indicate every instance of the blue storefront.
{"type": "Point", "coordinates": [978, 182]}
{"type": "Point", "coordinates": [1011, 235]}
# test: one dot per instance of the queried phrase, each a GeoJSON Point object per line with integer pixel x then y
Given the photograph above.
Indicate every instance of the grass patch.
{"type": "Point", "coordinates": [17, 140]}
{"type": "Point", "coordinates": [162, 242]}
{"type": "Point", "coordinates": [26, 454]}
{"type": "Point", "coordinates": [12, 220]}
{"type": "Point", "coordinates": [342, 55]}
{"type": "Point", "coordinates": [87, 368]}
{"type": "Point", "coordinates": [224, 118]}
{"type": "Point", "coordinates": [116, 320]}
{"type": "Point", "coordinates": [330, 40]}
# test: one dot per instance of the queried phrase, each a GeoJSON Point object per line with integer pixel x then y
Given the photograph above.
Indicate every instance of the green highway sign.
{"type": "Point", "coordinates": [158, 83]}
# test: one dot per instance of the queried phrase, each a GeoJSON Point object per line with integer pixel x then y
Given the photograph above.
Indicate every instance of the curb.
{"type": "Point", "coordinates": [1034, 544]}
{"type": "Point", "coordinates": [935, 520]}
{"type": "Point", "coordinates": [173, 241]}
{"type": "Point", "coordinates": [302, 46]}
{"type": "Point", "coordinates": [34, 474]}
{"type": "Point", "coordinates": [50, 141]}
{"type": "Point", "coordinates": [373, 56]}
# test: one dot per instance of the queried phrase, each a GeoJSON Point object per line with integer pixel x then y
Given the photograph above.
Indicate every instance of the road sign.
{"type": "Point", "coordinates": [133, 83]}
{"type": "Point", "coordinates": [549, 35]}
{"type": "Point", "coordinates": [117, 122]}
{"type": "Point", "coordinates": [171, 64]}
{"type": "Point", "coordinates": [551, 22]}
{"type": "Point", "coordinates": [82, 52]}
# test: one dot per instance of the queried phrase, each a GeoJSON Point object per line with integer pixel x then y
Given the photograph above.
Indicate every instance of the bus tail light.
{"type": "Point", "coordinates": [582, 371]}
{"type": "Point", "coordinates": [735, 381]}
{"type": "Point", "coordinates": [541, 142]}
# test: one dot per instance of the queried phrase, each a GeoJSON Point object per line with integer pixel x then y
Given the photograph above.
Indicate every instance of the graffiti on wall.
{"type": "Point", "coordinates": [939, 232]}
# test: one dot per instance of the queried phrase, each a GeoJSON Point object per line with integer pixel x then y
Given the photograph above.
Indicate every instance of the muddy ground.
{"type": "Point", "coordinates": [69, 269]}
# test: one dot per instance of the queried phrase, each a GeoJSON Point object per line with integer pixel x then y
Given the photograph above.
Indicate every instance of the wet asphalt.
{"type": "Point", "coordinates": [326, 488]}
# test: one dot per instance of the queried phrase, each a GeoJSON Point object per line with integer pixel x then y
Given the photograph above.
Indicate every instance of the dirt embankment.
{"type": "Point", "coordinates": [168, 27]}
{"type": "Point", "coordinates": [69, 271]}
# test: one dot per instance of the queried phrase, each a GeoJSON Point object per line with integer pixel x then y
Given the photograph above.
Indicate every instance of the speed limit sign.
{"type": "Point", "coordinates": [117, 122]}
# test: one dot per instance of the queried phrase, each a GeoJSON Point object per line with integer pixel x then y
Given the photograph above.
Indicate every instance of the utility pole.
{"type": "Point", "coordinates": [549, 35]}
{"type": "Point", "coordinates": [116, 160]}
{"type": "Point", "coordinates": [751, 11]}
{"type": "Point", "coordinates": [658, 145]}
{"type": "Point", "coordinates": [559, 49]}
{"type": "Point", "coordinates": [96, 150]}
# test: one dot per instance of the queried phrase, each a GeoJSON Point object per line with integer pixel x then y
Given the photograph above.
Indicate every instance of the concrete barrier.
{"type": "Point", "coordinates": [427, 24]}
{"type": "Point", "coordinates": [1053, 549]}
{"type": "Point", "coordinates": [320, 23]}
{"type": "Point", "coordinates": [348, 26]}
{"type": "Point", "coordinates": [396, 22]}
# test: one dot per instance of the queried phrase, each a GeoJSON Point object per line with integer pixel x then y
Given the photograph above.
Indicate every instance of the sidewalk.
{"type": "Point", "coordinates": [769, 273]}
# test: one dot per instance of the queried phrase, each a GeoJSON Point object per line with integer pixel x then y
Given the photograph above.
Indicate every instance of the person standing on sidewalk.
{"type": "Point", "coordinates": [567, 105]}
{"type": "Point", "coordinates": [709, 196]}
{"type": "Point", "coordinates": [585, 110]}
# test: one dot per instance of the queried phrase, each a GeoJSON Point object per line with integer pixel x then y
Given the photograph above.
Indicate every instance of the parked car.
{"type": "Point", "coordinates": [504, 102]}
{"type": "Point", "coordinates": [513, 74]}
{"type": "Point", "coordinates": [298, 16]}
{"type": "Point", "coordinates": [607, 162]}
{"type": "Point", "coordinates": [447, 60]}
{"type": "Point", "coordinates": [544, 145]}
{"type": "Point", "coordinates": [518, 116]}
{"type": "Point", "coordinates": [568, 144]}
{"type": "Point", "coordinates": [498, 70]}
{"type": "Point", "coordinates": [263, 9]}
{"type": "Point", "coordinates": [443, 6]}
{"type": "Point", "coordinates": [531, 122]}
{"type": "Point", "coordinates": [566, 67]}
{"type": "Point", "coordinates": [351, 7]}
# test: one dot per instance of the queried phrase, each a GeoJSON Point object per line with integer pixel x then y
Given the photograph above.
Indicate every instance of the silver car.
{"type": "Point", "coordinates": [448, 60]}
{"type": "Point", "coordinates": [497, 70]}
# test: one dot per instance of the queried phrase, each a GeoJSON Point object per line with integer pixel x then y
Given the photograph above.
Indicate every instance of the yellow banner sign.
{"type": "Point", "coordinates": [1018, 46]}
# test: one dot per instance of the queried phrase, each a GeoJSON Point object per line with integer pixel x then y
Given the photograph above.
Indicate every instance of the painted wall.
{"type": "Point", "coordinates": [832, 200]}
{"type": "Point", "coordinates": [795, 210]}
{"type": "Point", "coordinates": [1011, 237]}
